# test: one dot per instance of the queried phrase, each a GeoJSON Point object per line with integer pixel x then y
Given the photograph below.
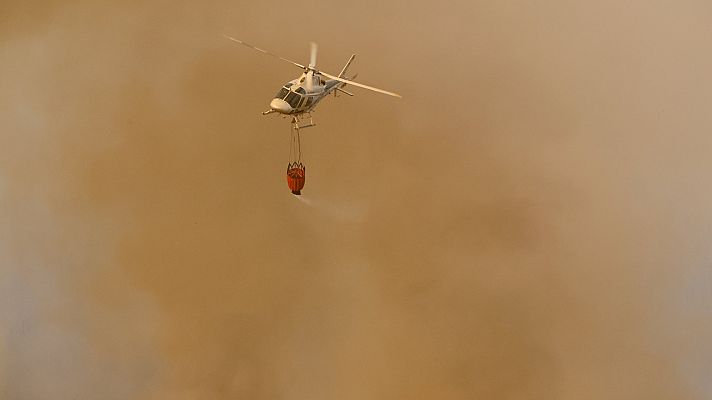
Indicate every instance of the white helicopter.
{"type": "Point", "coordinates": [300, 96]}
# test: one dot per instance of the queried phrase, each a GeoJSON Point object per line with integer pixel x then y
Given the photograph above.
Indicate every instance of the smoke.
{"type": "Point", "coordinates": [530, 221]}
{"type": "Point", "coordinates": [304, 200]}
{"type": "Point", "coordinates": [344, 211]}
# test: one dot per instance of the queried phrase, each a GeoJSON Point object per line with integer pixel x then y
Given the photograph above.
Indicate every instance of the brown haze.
{"type": "Point", "coordinates": [532, 220]}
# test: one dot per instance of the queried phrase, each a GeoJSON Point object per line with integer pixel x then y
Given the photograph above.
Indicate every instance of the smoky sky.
{"type": "Point", "coordinates": [531, 221]}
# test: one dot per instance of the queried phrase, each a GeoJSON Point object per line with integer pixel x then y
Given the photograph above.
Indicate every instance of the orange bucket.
{"type": "Point", "coordinates": [295, 177]}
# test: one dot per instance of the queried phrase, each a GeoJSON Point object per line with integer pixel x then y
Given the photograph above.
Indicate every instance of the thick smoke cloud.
{"type": "Point", "coordinates": [531, 221]}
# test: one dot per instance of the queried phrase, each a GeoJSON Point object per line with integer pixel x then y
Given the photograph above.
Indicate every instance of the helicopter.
{"type": "Point", "coordinates": [298, 97]}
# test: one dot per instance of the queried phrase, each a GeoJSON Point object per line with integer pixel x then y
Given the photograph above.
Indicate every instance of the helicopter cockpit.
{"type": "Point", "coordinates": [293, 98]}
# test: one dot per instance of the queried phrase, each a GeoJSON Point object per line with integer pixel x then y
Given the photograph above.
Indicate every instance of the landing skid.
{"type": "Point", "coordinates": [299, 123]}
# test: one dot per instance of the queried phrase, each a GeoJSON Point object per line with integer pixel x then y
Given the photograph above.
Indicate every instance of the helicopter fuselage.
{"type": "Point", "coordinates": [301, 95]}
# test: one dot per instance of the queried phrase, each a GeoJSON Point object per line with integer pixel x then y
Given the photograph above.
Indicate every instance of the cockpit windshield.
{"type": "Point", "coordinates": [283, 91]}
{"type": "Point", "coordinates": [293, 99]}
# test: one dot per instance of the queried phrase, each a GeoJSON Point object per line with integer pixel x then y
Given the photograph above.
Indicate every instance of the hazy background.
{"type": "Point", "coordinates": [531, 221]}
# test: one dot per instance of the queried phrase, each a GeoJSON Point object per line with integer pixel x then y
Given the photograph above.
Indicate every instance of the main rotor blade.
{"type": "Point", "coordinates": [361, 85]}
{"type": "Point", "coordinates": [263, 51]}
{"type": "Point", "coordinates": [312, 58]}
